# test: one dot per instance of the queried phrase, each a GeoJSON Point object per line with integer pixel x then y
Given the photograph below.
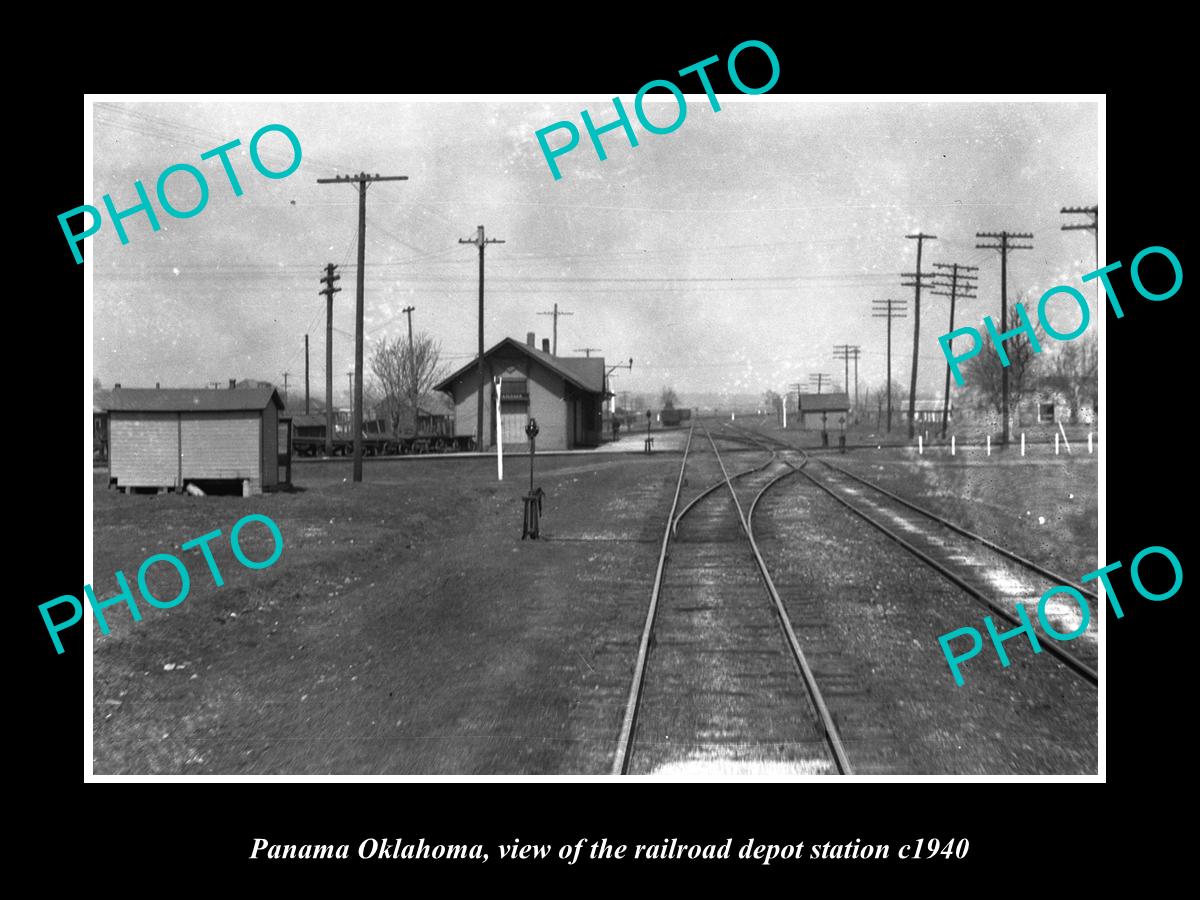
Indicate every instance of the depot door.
{"type": "Point", "coordinates": [513, 417]}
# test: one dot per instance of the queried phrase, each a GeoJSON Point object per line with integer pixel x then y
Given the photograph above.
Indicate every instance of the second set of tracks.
{"type": "Point", "coordinates": [721, 680]}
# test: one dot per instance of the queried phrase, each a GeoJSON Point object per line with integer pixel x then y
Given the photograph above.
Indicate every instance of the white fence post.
{"type": "Point", "coordinates": [1022, 443]}
{"type": "Point", "coordinates": [951, 445]}
{"type": "Point", "coordinates": [920, 445]}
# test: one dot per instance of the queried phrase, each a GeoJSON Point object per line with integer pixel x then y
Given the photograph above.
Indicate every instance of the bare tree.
{"type": "Point", "coordinates": [1072, 369]}
{"type": "Point", "coordinates": [772, 401]}
{"type": "Point", "coordinates": [405, 378]}
{"type": "Point", "coordinates": [983, 374]}
{"type": "Point", "coordinates": [879, 394]}
{"type": "Point", "coordinates": [668, 398]}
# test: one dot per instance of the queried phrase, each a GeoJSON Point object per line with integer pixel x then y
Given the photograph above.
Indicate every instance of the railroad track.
{"type": "Point", "coordinates": [720, 678]}
{"type": "Point", "coordinates": [993, 576]}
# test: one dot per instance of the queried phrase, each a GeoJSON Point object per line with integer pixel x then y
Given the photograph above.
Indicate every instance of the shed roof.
{"type": "Point", "coordinates": [824, 402]}
{"type": "Point", "coordinates": [192, 399]}
{"type": "Point", "coordinates": [583, 372]}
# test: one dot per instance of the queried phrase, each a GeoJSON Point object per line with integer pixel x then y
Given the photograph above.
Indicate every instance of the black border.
{"type": "Point", "coordinates": [209, 832]}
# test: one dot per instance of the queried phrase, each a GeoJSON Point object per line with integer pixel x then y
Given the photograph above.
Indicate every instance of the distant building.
{"type": "Point", "coordinates": [823, 410]}
{"type": "Point", "coordinates": [166, 438]}
{"type": "Point", "coordinates": [1049, 406]}
{"type": "Point", "coordinates": [564, 394]}
{"type": "Point", "coordinates": [928, 411]}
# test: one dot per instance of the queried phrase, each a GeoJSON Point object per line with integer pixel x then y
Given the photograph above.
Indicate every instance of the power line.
{"type": "Point", "coordinates": [887, 309]}
{"type": "Point", "coordinates": [328, 292]}
{"type": "Point", "coordinates": [1004, 247]}
{"type": "Point", "coordinates": [1093, 213]}
{"type": "Point", "coordinates": [556, 313]}
{"type": "Point", "coordinates": [848, 352]}
{"type": "Point", "coordinates": [916, 284]}
{"type": "Point", "coordinates": [360, 181]}
{"type": "Point", "coordinates": [962, 282]}
{"type": "Point", "coordinates": [480, 242]}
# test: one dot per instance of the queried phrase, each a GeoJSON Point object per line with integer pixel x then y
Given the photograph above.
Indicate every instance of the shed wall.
{"type": "Point", "coordinates": [222, 446]}
{"type": "Point", "coordinates": [144, 449]}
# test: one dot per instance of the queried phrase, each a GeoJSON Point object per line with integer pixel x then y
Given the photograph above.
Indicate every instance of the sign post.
{"type": "Point", "coordinates": [533, 500]}
{"type": "Point", "coordinates": [499, 433]}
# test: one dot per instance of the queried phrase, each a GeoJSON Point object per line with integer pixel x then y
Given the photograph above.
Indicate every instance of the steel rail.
{"type": "Point", "coordinates": [810, 682]}
{"type": "Point", "coordinates": [718, 485]}
{"type": "Point", "coordinates": [1028, 563]}
{"type": "Point", "coordinates": [621, 759]}
{"type": "Point", "coordinates": [1069, 659]}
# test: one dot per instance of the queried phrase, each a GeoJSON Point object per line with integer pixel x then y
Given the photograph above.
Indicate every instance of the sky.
{"type": "Point", "coordinates": [729, 256]}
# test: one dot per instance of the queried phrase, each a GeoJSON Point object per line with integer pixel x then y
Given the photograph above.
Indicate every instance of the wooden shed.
{"type": "Point", "coordinates": [825, 411]}
{"type": "Point", "coordinates": [167, 438]}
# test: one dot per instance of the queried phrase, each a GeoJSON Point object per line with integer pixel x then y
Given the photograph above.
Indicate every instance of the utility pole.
{"type": "Point", "coordinates": [1093, 226]}
{"type": "Point", "coordinates": [350, 385]}
{"type": "Point", "coordinates": [799, 411]}
{"type": "Point", "coordinates": [412, 366]}
{"type": "Point", "coordinates": [849, 352]}
{"type": "Point", "coordinates": [286, 375]}
{"type": "Point", "coordinates": [915, 283]}
{"type": "Point", "coordinates": [886, 309]}
{"type": "Point", "coordinates": [962, 283]}
{"type": "Point", "coordinates": [306, 374]}
{"type": "Point", "coordinates": [820, 378]}
{"type": "Point", "coordinates": [586, 350]}
{"type": "Point", "coordinates": [479, 242]}
{"type": "Point", "coordinates": [556, 314]}
{"type": "Point", "coordinates": [1004, 246]}
{"type": "Point", "coordinates": [361, 180]}
{"type": "Point", "coordinates": [842, 352]}
{"type": "Point", "coordinates": [328, 293]}
{"type": "Point", "coordinates": [857, 350]}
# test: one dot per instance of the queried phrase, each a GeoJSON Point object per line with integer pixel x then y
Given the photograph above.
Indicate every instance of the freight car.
{"type": "Point", "coordinates": [674, 417]}
{"type": "Point", "coordinates": [308, 439]}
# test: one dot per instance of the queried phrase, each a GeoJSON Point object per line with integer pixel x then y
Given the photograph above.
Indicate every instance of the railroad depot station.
{"type": "Point", "coordinates": [564, 394]}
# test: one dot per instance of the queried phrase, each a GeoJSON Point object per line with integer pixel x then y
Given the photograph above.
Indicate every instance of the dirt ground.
{"type": "Point", "coordinates": [406, 628]}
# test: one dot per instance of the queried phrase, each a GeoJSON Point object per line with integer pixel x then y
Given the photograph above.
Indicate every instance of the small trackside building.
{"type": "Point", "coordinates": [565, 394]}
{"type": "Point", "coordinates": [823, 410]}
{"type": "Point", "coordinates": [166, 438]}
